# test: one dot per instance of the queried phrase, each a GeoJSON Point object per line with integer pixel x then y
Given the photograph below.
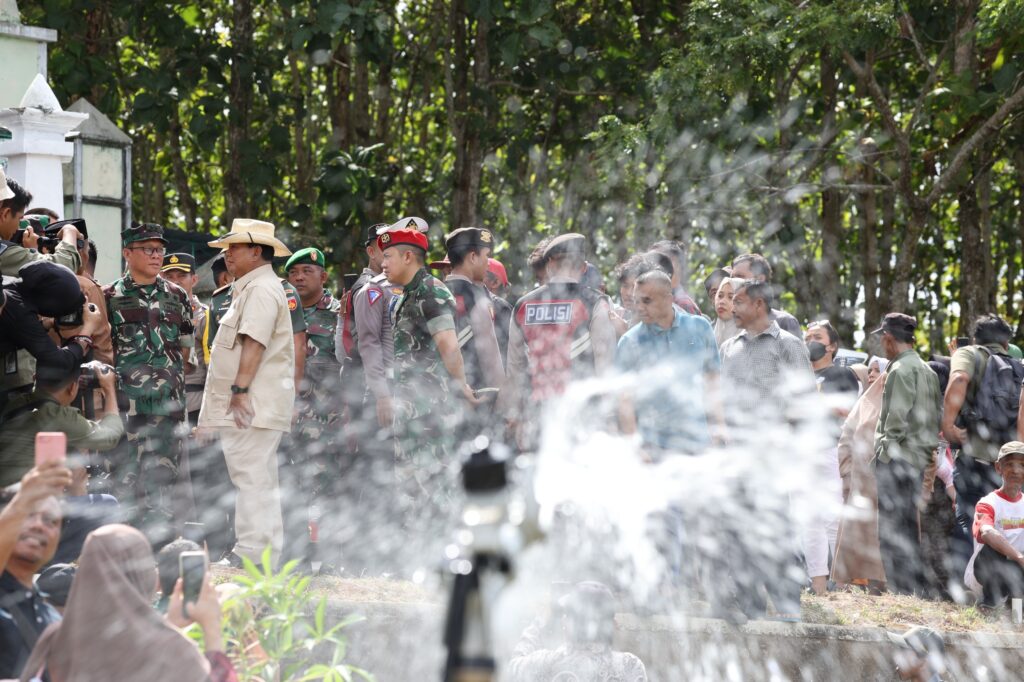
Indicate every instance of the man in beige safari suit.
{"type": "Point", "coordinates": [250, 387]}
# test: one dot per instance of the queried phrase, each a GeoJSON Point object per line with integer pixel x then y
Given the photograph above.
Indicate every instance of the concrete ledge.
{"type": "Point", "coordinates": [402, 642]}
{"type": "Point", "coordinates": [46, 35]}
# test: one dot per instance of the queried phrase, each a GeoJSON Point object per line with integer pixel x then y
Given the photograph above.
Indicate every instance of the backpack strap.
{"type": "Point", "coordinates": [980, 364]}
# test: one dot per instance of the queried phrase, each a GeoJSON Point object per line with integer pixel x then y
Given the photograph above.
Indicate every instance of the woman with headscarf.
{"type": "Point", "coordinates": [858, 558]}
{"type": "Point", "coordinates": [725, 325]}
{"type": "Point", "coordinates": [111, 631]}
{"type": "Point", "coordinates": [876, 367]}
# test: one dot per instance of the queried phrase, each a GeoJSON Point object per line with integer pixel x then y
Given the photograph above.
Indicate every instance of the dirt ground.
{"type": "Point", "coordinates": [845, 607]}
{"type": "Point", "coordinates": [893, 612]}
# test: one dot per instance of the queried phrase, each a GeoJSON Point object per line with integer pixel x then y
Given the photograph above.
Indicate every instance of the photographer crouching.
{"type": "Point", "coordinates": [48, 408]}
{"type": "Point", "coordinates": [51, 292]}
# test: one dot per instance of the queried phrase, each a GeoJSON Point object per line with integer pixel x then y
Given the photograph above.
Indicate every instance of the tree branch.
{"type": "Point", "coordinates": [981, 136]}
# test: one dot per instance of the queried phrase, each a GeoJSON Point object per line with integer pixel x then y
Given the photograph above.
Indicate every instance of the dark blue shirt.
{"type": "Point", "coordinates": [669, 392]}
{"type": "Point", "coordinates": [16, 599]}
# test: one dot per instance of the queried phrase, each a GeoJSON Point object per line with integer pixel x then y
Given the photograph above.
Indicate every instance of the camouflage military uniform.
{"type": "Point", "coordinates": [425, 414]}
{"type": "Point", "coordinates": [319, 419]}
{"type": "Point", "coordinates": [152, 331]}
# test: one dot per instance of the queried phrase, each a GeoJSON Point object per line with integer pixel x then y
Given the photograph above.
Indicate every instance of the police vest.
{"type": "Point", "coordinates": [467, 297]}
{"type": "Point", "coordinates": [555, 322]}
{"type": "Point", "coordinates": [349, 338]}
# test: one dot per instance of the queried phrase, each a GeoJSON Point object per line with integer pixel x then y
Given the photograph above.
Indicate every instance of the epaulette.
{"type": "Point", "coordinates": [217, 291]}
{"type": "Point", "coordinates": [380, 279]}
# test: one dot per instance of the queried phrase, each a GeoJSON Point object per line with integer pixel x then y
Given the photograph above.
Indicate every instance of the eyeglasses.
{"type": "Point", "coordinates": [150, 250]}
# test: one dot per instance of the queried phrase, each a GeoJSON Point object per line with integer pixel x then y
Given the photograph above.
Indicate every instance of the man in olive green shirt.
{"type": "Point", "coordinates": [48, 409]}
{"type": "Point", "coordinates": [905, 441]}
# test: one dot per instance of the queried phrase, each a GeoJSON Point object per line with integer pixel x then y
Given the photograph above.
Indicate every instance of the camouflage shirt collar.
{"type": "Point", "coordinates": [417, 279]}
{"type": "Point", "coordinates": [128, 282]}
{"type": "Point", "coordinates": [323, 303]}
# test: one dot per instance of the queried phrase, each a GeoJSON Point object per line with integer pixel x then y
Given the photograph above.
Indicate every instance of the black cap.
{"type": "Point", "coordinates": [899, 325]}
{"type": "Point", "coordinates": [185, 262]}
{"type": "Point", "coordinates": [78, 223]}
{"type": "Point", "coordinates": [372, 231]}
{"type": "Point", "coordinates": [469, 238]}
{"type": "Point", "coordinates": [52, 290]}
{"type": "Point", "coordinates": [566, 244]}
{"type": "Point", "coordinates": [218, 265]}
{"type": "Point", "coordinates": [55, 583]}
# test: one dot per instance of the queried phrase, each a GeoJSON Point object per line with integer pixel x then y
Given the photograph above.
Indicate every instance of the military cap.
{"type": "Point", "coordinates": [566, 244]}
{"type": "Point", "coordinates": [218, 265]}
{"type": "Point", "coordinates": [140, 232]}
{"type": "Point", "coordinates": [899, 325]}
{"type": "Point", "coordinates": [399, 237]}
{"type": "Point", "coordinates": [372, 231]}
{"type": "Point", "coordinates": [1014, 447]}
{"type": "Point", "coordinates": [408, 223]}
{"type": "Point", "coordinates": [309, 255]}
{"type": "Point", "coordinates": [179, 261]}
{"type": "Point", "coordinates": [469, 238]}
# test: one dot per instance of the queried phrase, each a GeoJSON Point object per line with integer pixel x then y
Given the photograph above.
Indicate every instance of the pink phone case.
{"type": "Point", "coordinates": [51, 447]}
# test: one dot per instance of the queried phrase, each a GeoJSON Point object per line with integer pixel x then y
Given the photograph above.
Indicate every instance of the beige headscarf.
{"type": "Point", "coordinates": [110, 629]}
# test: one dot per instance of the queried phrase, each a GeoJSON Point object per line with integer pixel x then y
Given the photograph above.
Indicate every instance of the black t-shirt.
{"type": "Point", "coordinates": [20, 604]}
{"type": "Point", "coordinates": [837, 379]}
{"type": "Point", "coordinates": [20, 328]}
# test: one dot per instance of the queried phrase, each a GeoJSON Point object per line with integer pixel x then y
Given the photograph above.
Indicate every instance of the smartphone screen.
{"type": "Point", "coordinates": [962, 342]}
{"type": "Point", "coordinates": [51, 447]}
{"type": "Point", "coordinates": [192, 568]}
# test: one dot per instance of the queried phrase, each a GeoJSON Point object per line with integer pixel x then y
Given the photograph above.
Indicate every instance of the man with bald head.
{"type": "Point", "coordinates": [675, 359]}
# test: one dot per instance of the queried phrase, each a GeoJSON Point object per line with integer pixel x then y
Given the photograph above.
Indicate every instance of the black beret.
{"type": "Point", "coordinates": [469, 238]}
{"type": "Point", "coordinates": [566, 244]}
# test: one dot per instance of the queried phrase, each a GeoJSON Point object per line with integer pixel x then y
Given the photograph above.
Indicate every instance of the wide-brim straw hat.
{"type": "Point", "coordinates": [248, 231]}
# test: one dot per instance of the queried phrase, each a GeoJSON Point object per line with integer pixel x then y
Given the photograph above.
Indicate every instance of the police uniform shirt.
{"type": "Point", "coordinates": [373, 307]}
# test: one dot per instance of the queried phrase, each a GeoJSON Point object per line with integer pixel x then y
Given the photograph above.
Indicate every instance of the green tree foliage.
{"type": "Point", "coordinates": [871, 147]}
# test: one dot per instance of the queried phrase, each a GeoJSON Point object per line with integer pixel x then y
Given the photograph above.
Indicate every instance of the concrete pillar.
{"type": "Point", "coordinates": [22, 53]}
{"type": "Point", "coordinates": [37, 148]}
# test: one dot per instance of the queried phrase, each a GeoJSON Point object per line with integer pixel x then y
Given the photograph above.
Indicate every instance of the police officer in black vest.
{"type": "Point", "coordinates": [468, 250]}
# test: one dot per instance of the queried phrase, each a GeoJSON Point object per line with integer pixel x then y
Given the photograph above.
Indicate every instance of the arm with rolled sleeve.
{"type": "Point", "coordinates": [24, 330]}
{"type": "Point", "coordinates": [369, 323]}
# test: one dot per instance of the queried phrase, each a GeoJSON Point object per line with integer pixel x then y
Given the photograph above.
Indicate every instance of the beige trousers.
{"type": "Point", "coordinates": [251, 456]}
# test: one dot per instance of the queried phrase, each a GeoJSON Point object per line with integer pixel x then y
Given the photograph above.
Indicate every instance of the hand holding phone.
{"type": "Point", "coordinates": [51, 448]}
{"type": "Point", "coordinates": [192, 569]}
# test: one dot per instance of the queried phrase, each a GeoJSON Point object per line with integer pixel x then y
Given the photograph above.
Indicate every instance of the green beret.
{"type": "Point", "coordinates": [310, 255]}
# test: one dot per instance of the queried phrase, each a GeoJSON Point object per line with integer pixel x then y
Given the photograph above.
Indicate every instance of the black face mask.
{"type": "Point", "coordinates": [816, 350]}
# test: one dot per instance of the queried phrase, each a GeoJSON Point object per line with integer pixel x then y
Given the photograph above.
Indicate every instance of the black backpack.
{"type": "Point", "coordinates": [990, 412]}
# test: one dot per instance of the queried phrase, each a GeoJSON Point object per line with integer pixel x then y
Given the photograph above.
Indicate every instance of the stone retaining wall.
{"type": "Point", "coordinates": [402, 643]}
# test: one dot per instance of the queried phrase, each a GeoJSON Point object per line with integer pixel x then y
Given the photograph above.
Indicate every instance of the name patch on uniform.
{"type": "Point", "coordinates": [548, 313]}
{"type": "Point", "coordinates": [373, 295]}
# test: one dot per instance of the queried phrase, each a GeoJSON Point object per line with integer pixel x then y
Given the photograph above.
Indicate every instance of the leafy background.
{"type": "Point", "coordinates": [871, 148]}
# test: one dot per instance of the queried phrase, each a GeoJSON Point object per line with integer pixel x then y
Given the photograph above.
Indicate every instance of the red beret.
{"type": "Point", "coordinates": [397, 237]}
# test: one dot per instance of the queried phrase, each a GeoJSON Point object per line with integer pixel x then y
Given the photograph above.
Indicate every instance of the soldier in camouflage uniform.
{"type": "Point", "coordinates": [427, 367]}
{"type": "Point", "coordinates": [151, 326]}
{"type": "Point", "coordinates": [313, 454]}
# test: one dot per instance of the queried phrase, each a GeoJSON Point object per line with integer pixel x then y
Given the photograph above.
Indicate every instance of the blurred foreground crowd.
{"type": "Point", "coordinates": [261, 417]}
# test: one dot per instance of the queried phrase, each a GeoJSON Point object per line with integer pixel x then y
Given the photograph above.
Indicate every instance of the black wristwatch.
{"type": "Point", "coordinates": [235, 389]}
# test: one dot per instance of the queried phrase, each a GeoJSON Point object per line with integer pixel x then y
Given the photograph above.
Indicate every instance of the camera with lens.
{"type": "Point", "coordinates": [73, 319]}
{"type": "Point", "coordinates": [39, 225]}
{"type": "Point", "coordinates": [89, 378]}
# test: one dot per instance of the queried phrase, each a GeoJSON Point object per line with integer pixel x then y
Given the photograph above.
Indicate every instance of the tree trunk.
{"type": "Point", "coordinates": [237, 201]}
{"type": "Point", "coordinates": [186, 202]}
{"type": "Point", "coordinates": [831, 205]}
{"type": "Point", "coordinates": [465, 120]}
{"type": "Point", "coordinates": [973, 260]}
{"type": "Point", "coordinates": [867, 208]}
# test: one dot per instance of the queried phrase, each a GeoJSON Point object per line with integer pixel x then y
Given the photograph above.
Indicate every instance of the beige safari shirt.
{"type": "Point", "coordinates": [258, 310]}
